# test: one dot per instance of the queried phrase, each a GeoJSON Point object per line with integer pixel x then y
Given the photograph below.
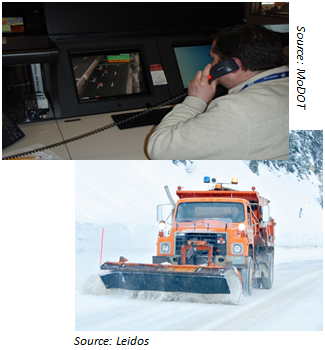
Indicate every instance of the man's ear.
{"type": "Point", "coordinates": [238, 61]}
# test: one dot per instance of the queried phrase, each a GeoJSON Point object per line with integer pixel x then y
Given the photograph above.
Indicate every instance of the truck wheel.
{"type": "Point", "coordinates": [257, 283]}
{"type": "Point", "coordinates": [267, 282]}
{"type": "Point", "coordinates": [247, 277]}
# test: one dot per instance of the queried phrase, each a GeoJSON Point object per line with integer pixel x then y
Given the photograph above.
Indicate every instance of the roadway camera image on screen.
{"type": "Point", "coordinates": [107, 75]}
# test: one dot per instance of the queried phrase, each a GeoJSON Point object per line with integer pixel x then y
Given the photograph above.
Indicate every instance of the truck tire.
{"type": "Point", "coordinates": [247, 277]}
{"type": "Point", "coordinates": [267, 282]}
{"type": "Point", "coordinates": [257, 283]}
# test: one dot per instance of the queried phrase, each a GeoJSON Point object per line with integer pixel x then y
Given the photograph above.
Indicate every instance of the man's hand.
{"type": "Point", "coordinates": [200, 87]}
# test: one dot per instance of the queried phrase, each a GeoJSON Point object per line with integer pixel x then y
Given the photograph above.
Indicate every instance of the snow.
{"type": "Point", "coordinates": [121, 198]}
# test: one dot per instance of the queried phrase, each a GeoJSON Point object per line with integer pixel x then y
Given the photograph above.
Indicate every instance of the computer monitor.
{"type": "Point", "coordinates": [107, 74]}
{"type": "Point", "coordinates": [104, 74]}
{"type": "Point", "coordinates": [191, 59]}
{"type": "Point", "coordinates": [267, 13]}
{"type": "Point", "coordinates": [183, 56]}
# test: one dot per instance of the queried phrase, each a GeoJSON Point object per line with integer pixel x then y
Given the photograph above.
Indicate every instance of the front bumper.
{"type": "Point", "coordinates": [226, 261]}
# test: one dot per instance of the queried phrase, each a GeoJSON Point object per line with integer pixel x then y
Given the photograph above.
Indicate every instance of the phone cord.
{"type": "Point", "coordinates": [96, 131]}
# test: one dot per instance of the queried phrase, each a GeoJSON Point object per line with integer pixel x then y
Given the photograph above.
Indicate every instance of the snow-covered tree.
{"type": "Point", "coordinates": [306, 154]}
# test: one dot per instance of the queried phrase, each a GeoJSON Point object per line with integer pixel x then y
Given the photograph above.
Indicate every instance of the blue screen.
{"type": "Point", "coordinates": [190, 60]}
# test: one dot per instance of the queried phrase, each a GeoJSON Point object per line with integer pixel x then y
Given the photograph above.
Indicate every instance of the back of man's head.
{"type": "Point", "coordinates": [257, 47]}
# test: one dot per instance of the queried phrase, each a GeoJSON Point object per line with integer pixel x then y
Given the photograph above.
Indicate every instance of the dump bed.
{"type": "Point", "coordinates": [251, 196]}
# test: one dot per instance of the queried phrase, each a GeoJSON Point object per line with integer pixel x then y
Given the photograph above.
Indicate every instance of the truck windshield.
{"type": "Point", "coordinates": [222, 211]}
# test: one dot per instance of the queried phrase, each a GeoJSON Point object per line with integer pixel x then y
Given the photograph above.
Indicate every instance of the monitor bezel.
{"type": "Point", "coordinates": [112, 52]}
{"type": "Point", "coordinates": [70, 105]}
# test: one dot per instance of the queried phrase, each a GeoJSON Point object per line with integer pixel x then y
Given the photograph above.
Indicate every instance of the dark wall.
{"type": "Point", "coordinates": [68, 18]}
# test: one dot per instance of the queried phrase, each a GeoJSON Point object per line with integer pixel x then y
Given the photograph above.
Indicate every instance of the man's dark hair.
{"type": "Point", "coordinates": [257, 47]}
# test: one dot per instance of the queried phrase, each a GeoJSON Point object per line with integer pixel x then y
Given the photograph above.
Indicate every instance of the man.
{"type": "Point", "coordinates": [236, 215]}
{"type": "Point", "coordinates": [251, 122]}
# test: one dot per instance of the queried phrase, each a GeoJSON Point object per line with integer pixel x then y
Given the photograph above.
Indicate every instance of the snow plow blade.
{"type": "Point", "coordinates": [165, 278]}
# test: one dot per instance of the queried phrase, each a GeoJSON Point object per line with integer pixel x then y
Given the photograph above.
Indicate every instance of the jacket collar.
{"type": "Point", "coordinates": [257, 77]}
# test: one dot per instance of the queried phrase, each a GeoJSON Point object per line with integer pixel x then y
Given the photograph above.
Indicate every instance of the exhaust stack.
{"type": "Point", "coordinates": [170, 197]}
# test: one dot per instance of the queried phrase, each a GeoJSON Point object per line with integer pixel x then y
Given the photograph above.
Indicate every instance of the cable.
{"type": "Point", "coordinates": [96, 131]}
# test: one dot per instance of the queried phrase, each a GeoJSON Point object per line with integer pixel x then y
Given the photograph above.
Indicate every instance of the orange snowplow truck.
{"type": "Point", "coordinates": [211, 232]}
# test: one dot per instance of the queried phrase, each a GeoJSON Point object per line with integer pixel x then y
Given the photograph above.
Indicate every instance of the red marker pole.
{"type": "Point", "coordinates": [101, 248]}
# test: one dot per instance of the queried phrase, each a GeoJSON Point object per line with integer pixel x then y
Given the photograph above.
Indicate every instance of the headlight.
{"type": "Point", "coordinates": [241, 227]}
{"type": "Point", "coordinates": [237, 248]}
{"type": "Point", "coordinates": [164, 248]}
{"type": "Point", "coordinates": [162, 225]}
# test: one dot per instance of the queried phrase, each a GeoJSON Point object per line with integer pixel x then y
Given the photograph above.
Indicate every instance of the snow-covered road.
{"type": "Point", "coordinates": [295, 303]}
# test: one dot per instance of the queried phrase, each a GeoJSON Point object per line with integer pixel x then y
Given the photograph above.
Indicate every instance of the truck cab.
{"type": "Point", "coordinates": [224, 224]}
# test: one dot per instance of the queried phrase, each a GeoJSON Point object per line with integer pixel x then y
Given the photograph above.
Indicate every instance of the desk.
{"type": "Point", "coordinates": [40, 134]}
{"type": "Point", "coordinates": [109, 144]}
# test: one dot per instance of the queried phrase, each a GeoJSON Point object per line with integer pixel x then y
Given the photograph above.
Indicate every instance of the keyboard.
{"type": "Point", "coordinates": [11, 133]}
{"type": "Point", "coordinates": [153, 117]}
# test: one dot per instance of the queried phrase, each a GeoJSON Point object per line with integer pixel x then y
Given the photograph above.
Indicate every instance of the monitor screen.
{"type": "Point", "coordinates": [191, 59]}
{"type": "Point", "coordinates": [12, 25]}
{"type": "Point", "coordinates": [274, 8]}
{"type": "Point", "coordinates": [106, 75]}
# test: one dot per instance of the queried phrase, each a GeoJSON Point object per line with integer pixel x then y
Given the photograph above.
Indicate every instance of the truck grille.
{"type": "Point", "coordinates": [210, 238]}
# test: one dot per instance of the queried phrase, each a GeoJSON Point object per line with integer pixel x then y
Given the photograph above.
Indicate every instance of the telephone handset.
{"type": "Point", "coordinates": [222, 69]}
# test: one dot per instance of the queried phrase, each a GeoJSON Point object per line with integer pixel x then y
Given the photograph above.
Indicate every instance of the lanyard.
{"type": "Point", "coordinates": [269, 77]}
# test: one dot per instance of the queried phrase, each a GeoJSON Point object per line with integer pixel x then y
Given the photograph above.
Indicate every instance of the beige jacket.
{"type": "Point", "coordinates": [252, 124]}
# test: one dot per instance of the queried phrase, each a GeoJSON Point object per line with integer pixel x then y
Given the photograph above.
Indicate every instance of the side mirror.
{"type": "Point", "coordinates": [265, 216]}
{"type": "Point", "coordinates": [159, 212]}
